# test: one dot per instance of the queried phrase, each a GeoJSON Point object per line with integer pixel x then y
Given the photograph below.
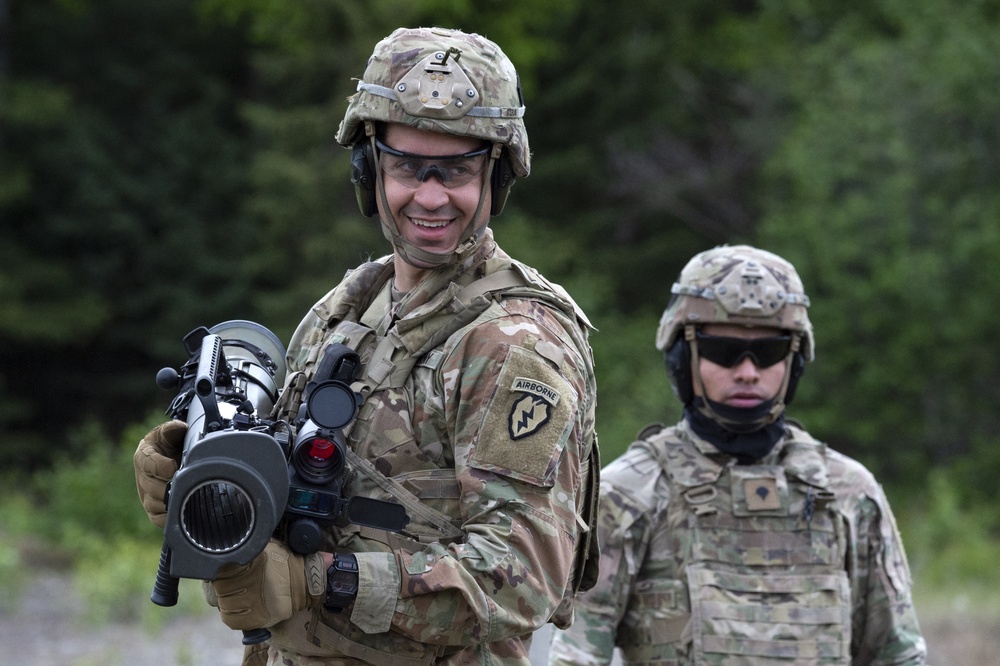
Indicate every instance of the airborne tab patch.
{"type": "Point", "coordinates": [535, 387]}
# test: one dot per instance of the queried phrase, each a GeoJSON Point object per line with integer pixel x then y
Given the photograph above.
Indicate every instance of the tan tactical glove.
{"type": "Point", "coordinates": [273, 587]}
{"type": "Point", "coordinates": [156, 461]}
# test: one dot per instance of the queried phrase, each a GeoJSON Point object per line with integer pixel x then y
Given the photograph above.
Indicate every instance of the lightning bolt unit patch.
{"type": "Point", "coordinates": [527, 415]}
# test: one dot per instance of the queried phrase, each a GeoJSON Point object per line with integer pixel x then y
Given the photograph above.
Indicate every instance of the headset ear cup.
{"type": "Point", "coordinates": [798, 367]}
{"type": "Point", "coordinates": [363, 176]}
{"type": "Point", "coordinates": [678, 359]}
{"type": "Point", "coordinates": [500, 182]}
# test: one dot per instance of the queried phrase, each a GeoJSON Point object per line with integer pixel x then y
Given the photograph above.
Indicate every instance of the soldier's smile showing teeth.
{"type": "Point", "coordinates": [433, 196]}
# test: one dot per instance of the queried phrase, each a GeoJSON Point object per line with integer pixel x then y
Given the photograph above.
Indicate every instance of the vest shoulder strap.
{"type": "Point", "coordinates": [680, 459]}
{"type": "Point", "coordinates": [355, 291]}
{"type": "Point", "coordinates": [396, 354]}
{"type": "Point", "coordinates": [806, 458]}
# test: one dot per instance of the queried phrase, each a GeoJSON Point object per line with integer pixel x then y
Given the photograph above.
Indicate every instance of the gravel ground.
{"type": "Point", "coordinates": [46, 627]}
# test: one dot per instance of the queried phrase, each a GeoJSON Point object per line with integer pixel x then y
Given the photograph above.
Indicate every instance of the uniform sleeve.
{"type": "Point", "coordinates": [885, 627]}
{"type": "Point", "coordinates": [623, 537]}
{"type": "Point", "coordinates": [518, 403]}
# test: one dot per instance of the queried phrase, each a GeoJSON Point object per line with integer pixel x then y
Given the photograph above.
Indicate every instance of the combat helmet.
{"type": "Point", "coordinates": [437, 80]}
{"type": "Point", "coordinates": [740, 285]}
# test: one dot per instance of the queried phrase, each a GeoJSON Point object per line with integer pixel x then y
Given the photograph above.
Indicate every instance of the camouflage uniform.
{"type": "Point", "coordinates": [697, 568]}
{"type": "Point", "coordinates": [718, 558]}
{"type": "Point", "coordinates": [479, 415]}
{"type": "Point", "coordinates": [478, 385]}
{"type": "Point", "coordinates": [477, 411]}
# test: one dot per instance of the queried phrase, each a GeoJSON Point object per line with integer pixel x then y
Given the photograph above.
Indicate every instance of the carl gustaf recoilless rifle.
{"type": "Point", "coordinates": [245, 477]}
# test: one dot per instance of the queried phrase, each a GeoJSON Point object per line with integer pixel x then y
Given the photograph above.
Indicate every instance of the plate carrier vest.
{"type": "Point", "coordinates": [756, 568]}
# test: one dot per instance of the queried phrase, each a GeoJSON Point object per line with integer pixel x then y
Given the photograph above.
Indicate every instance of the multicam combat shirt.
{"type": "Point", "coordinates": [481, 407]}
{"type": "Point", "coordinates": [795, 559]}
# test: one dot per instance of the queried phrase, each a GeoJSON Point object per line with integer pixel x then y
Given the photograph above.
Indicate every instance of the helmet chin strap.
{"type": "Point", "coordinates": [417, 256]}
{"type": "Point", "coordinates": [742, 420]}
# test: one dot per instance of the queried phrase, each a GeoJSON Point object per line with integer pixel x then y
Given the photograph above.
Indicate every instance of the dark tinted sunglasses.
{"type": "Point", "coordinates": [728, 352]}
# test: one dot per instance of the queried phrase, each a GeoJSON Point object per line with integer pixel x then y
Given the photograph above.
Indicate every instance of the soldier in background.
{"type": "Point", "coordinates": [478, 387]}
{"type": "Point", "coordinates": [734, 537]}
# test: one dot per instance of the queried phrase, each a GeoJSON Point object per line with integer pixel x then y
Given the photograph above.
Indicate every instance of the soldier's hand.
{"type": "Point", "coordinates": [156, 461]}
{"type": "Point", "coordinates": [271, 588]}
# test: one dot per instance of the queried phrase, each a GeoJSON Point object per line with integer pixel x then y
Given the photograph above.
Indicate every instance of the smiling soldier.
{"type": "Point", "coordinates": [478, 395]}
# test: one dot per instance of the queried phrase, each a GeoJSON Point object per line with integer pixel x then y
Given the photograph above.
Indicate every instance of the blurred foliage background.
{"type": "Point", "coordinates": [166, 164]}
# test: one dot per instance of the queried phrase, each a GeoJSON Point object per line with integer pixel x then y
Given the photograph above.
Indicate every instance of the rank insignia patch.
{"type": "Point", "coordinates": [528, 414]}
{"type": "Point", "coordinates": [762, 494]}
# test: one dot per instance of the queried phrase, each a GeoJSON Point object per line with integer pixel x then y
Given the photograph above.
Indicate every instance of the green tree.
{"type": "Point", "coordinates": [169, 164]}
{"type": "Point", "coordinates": [122, 158]}
{"type": "Point", "coordinates": [644, 155]}
{"type": "Point", "coordinates": [883, 193]}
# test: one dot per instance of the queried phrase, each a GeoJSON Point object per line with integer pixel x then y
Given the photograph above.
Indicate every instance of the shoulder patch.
{"type": "Point", "coordinates": [527, 421]}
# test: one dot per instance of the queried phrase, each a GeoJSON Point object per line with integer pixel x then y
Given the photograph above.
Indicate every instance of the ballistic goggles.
{"type": "Point", "coordinates": [729, 352]}
{"type": "Point", "coordinates": [411, 170]}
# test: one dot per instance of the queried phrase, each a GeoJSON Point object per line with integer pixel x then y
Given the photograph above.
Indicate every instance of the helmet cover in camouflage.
{"type": "Point", "coordinates": [737, 284]}
{"type": "Point", "coordinates": [446, 81]}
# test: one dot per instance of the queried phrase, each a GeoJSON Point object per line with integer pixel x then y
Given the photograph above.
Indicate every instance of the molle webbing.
{"type": "Point", "coordinates": [414, 507]}
{"type": "Point", "coordinates": [383, 371]}
{"type": "Point", "coordinates": [761, 551]}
